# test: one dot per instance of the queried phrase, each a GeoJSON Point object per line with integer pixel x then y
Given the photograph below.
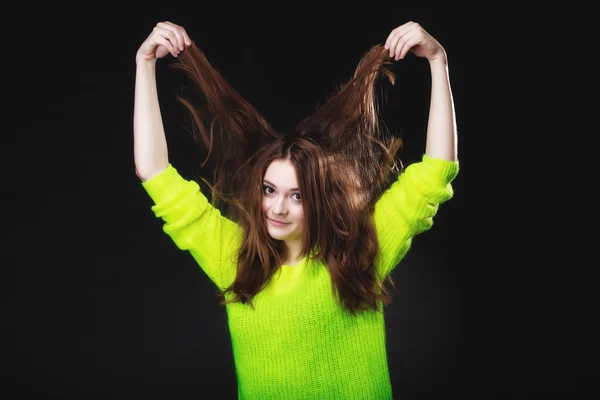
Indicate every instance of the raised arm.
{"type": "Point", "coordinates": [408, 207]}
{"type": "Point", "coordinates": [441, 126]}
{"type": "Point", "coordinates": [189, 219]}
{"type": "Point", "coordinates": [150, 145]}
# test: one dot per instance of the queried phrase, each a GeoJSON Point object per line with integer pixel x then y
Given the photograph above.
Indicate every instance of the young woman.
{"type": "Point", "coordinates": [313, 220]}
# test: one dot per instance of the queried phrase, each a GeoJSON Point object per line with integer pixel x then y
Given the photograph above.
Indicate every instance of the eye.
{"type": "Point", "coordinates": [297, 196]}
{"type": "Point", "coordinates": [268, 189]}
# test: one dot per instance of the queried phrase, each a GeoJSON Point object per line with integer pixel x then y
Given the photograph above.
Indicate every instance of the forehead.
{"type": "Point", "coordinates": [282, 173]}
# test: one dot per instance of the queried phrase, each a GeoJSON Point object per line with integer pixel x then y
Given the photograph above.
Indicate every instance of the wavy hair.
{"type": "Point", "coordinates": [344, 156]}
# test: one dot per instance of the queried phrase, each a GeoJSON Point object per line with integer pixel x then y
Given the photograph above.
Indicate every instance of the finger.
{"type": "Point", "coordinates": [393, 32]}
{"type": "Point", "coordinates": [176, 31]}
{"type": "Point", "coordinates": [398, 35]}
{"type": "Point", "coordinates": [185, 37]}
{"type": "Point", "coordinates": [165, 42]}
{"type": "Point", "coordinates": [170, 36]}
{"type": "Point", "coordinates": [405, 44]}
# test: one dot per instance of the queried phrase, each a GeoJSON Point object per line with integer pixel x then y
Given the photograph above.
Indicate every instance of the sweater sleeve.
{"type": "Point", "coordinates": [407, 208]}
{"type": "Point", "coordinates": [194, 224]}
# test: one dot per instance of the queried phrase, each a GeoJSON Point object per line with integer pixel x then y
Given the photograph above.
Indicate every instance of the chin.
{"type": "Point", "coordinates": [277, 235]}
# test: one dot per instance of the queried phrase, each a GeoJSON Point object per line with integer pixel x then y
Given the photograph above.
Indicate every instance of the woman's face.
{"type": "Point", "coordinates": [281, 202]}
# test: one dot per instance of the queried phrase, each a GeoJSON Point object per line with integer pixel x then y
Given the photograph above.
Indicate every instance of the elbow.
{"type": "Point", "coordinates": [140, 176]}
{"type": "Point", "coordinates": [148, 173]}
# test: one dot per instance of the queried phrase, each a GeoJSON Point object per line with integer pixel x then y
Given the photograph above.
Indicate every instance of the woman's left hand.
{"type": "Point", "coordinates": [412, 37]}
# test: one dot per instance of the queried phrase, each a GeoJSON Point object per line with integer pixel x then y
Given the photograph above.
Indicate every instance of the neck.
{"type": "Point", "coordinates": [292, 251]}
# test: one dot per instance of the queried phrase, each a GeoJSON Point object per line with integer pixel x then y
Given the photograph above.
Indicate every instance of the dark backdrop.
{"type": "Point", "coordinates": [105, 306]}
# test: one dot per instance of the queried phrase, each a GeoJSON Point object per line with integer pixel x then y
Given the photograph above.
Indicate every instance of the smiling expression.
{"type": "Point", "coordinates": [282, 202]}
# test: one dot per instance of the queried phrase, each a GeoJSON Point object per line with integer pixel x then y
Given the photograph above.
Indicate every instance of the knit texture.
{"type": "Point", "coordinates": [298, 342]}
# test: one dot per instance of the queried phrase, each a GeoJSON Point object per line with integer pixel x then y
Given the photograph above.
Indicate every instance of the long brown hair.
{"type": "Point", "coordinates": [344, 158]}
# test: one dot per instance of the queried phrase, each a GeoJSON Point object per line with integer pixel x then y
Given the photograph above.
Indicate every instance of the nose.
{"type": "Point", "coordinates": [279, 207]}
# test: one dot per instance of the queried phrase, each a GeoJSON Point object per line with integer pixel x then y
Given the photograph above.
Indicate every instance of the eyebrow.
{"type": "Point", "coordinates": [274, 186]}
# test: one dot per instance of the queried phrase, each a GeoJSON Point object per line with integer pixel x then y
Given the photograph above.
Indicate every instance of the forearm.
{"type": "Point", "coordinates": [150, 145]}
{"type": "Point", "coordinates": [441, 126]}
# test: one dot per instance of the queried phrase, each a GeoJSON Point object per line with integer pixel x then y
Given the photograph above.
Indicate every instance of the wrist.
{"type": "Point", "coordinates": [440, 59]}
{"type": "Point", "coordinates": [142, 60]}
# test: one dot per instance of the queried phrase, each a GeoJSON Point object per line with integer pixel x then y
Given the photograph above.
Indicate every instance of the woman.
{"type": "Point", "coordinates": [313, 221]}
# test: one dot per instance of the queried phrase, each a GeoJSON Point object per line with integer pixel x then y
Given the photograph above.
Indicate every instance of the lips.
{"type": "Point", "coordinates": [278, 223]}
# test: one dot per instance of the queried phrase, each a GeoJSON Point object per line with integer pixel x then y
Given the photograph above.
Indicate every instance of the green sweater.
{"type": "Point", "coordinates": [298, 343]}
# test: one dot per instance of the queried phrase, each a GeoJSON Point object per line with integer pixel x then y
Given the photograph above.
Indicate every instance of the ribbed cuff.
{"type": "Point", "coordinates": [164, 185]}
{"type": "Point", "coordinates": [441, 171]}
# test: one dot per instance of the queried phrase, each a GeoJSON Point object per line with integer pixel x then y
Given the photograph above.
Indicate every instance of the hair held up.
{"type": "Point", "coordinates": [345, 158]}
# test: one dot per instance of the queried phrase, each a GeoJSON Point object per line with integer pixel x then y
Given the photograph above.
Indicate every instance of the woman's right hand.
{"type": "Point", "coordinates": [165, 38]}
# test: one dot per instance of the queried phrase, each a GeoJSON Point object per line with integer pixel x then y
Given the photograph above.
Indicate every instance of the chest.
{"type": "Point", "coordinates": [299, 302]}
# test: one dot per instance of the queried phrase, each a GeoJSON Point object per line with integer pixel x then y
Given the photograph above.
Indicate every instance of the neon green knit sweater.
{"type": "Point", "coordinates": [298, 343]}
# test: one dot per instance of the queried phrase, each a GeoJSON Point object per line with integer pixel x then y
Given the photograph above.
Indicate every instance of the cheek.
{"type": "Point", "coordinates": [299, 215]}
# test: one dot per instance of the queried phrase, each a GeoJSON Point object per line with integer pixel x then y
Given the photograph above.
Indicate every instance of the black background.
{"type": "Point", "coordinates": [105, 306]}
